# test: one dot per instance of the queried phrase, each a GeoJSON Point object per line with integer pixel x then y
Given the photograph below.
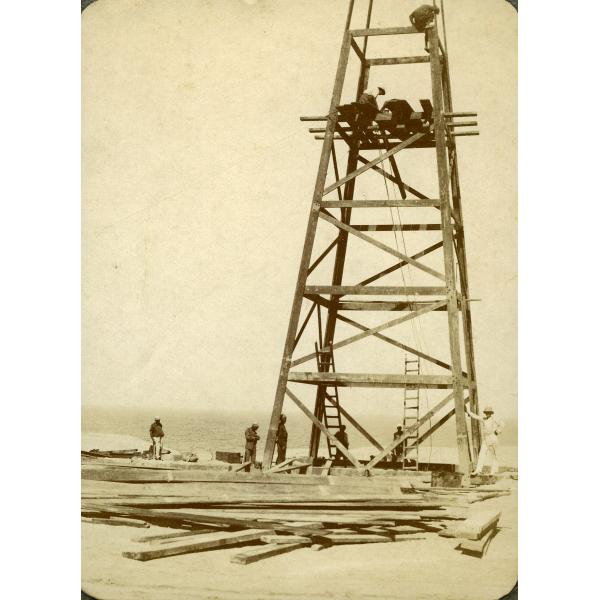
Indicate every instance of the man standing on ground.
{"type": "Point", "coordinates": [422, 19]}
{"type": "Point", "coordinates": [398, 451]}
{"type": "Point", "coordinates": [250, 454]}
{"type": "Point", "coordinates": [156, 435]}
{"type": "Point", "coordinates": [281, 440]}
{"type": "Point", "coordinates": [491, 430]}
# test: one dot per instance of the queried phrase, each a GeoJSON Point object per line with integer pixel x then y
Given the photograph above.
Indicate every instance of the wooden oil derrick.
{"type": "Point", "coordinates": [400, 129]}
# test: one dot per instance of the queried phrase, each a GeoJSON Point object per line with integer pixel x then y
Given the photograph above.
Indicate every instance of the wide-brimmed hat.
{"type": "Point", "coordinates": [488, 409]}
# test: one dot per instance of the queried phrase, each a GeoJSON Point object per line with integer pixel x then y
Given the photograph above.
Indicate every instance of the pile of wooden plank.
{"type": "Point", "coordinates": [273, 513]}
{"type": "Point", "coordinates": [476, 532]}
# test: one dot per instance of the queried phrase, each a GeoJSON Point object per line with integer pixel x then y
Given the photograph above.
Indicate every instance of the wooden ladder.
{"type": "Point", "coordinates": [332, 418]}
{"type": "Point", "coordinates": [411, 416]}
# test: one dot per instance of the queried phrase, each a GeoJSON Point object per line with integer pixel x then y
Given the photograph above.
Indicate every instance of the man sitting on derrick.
{"type": "Point", "coordinates": [367, 109]}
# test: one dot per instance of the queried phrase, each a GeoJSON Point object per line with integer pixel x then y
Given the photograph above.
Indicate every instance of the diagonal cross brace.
{"type": "Point", "coordinates": [371, 331]}
{"type": "Point", "coordinates": [376, 161]}
{"type": "Point", "coordinates": [409, 431]}
{"type": "Point", "coordinates": [378, 244]}
{"type": "Point", "coordinates": [324, 429]}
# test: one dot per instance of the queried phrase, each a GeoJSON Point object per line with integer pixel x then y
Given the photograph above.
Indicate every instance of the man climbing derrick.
{"type": "Point", "coordinates": [422, 19]}
{"type": "Point", "coordinates": [367, 109]}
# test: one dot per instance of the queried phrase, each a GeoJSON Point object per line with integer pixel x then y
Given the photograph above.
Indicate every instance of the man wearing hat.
{"type": "Point", "coordinates": [491, 429]}
{"type": "Point", "coordinates": [281, 440]}
{"type": "Point", "coordinates": [423, 18]}
{"type": "Point", "coordinates": [398, 451]}
{"type": "Point", "coordinates": [250, 449]}
{"type": "Point", "coordinates": [367, 109]}
{"type": "Point", "coordinates": [156, 435]}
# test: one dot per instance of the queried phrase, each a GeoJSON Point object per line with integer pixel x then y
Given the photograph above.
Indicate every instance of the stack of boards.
{"type": "Point", "coordinates": [271, 513]}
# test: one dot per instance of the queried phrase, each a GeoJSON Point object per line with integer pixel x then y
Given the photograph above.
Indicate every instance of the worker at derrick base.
{"type": "Point", "coordinates": [491, 429]}
{"type": "Point", "coordinates": [156, 435]}
{"type": "Point", "coordinates": [423, 18]}
{"type": "Point", "coordinates": [398, 451]}
{"type": "Point", "coordinates": [342, 437]}
{"type": "Point", "coordinates": [281, 439]}
{"type": "Point", "coordinates": [252, 438]}
{"type": "Point", "coordinates": [367, 109]}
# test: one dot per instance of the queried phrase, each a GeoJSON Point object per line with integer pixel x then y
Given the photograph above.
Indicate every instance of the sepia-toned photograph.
{"type": "Point", "coordinates": [299, 300]}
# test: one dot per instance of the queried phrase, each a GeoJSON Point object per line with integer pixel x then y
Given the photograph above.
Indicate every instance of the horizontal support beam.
{"type": "Point", "coordinates": [381, 246]}
{"type": "Point", "coordinates": [463, 124]}
{"type": "Point", "coordinates": [379, 203]}
{"type": "Point", "coordinates": [375, 290]}
{"type": "Point", "coordinates": [463, 133]}
{"type": "Point", "coordinates": [403, 227]}
{"type": "Point", "coordinates": [384, 380]}
{"type": "Point", "coordinates": [382, 31]}
{"type": "Point", "coordinates": [460, 114]}
{"type": "Point", "coordinates": [325, 118]}
{"type": "Point", "coordinates": [404, 60]}
{"type": "Point", "coordinates": [377, 305]}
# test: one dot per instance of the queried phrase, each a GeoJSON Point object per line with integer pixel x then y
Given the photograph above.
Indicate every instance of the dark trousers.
{"type": "Point", "coordinates": [250, 456]}
{"type": "Point", "coordinates": [281, 450]}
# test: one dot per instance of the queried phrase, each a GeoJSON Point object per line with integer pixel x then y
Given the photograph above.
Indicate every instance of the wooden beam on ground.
{"type": "Point", "coordinates": [405, 144]}
{"type": "Point", "coordinates": [385, 380]}
{"type": "Point", "coordinates": [221, 540]}
{"type": "Point", "coordinates": [120, 522]}
{"type": "Point", "coordinates": [285, 539]}
{"type": "Point", "coordinates": [171, 536]}
{"type": "Point", "coordinates": [337, 539]}
{"type": "Point", "coordinates": [403, 60]}
{"type": "Point", "coordinates": [374, 290]}
{"type": "Point", "coordinates": [478, 547]}
{"type": "Point", "coordinates": [355, 338]}
{"type": "Point", "coordinates": [263, 552]}
{"type": "Point", "coordinates": [475, 527]}
{"type": "Point", "coordinates": [242, 467]}
{"type": "Point", "coordinates": [381, 246]}
{"type": "Point", "coordinates": [281, 465]}
{"type": "Point", "coordinates": [341, 448]}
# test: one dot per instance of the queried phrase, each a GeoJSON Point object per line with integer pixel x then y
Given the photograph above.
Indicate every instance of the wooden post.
{"type": "Point", "coordinates": [461, 254]}
{"type": "Point", "coordinates": [462, 438]}
{"type": "Point", "coordinates": [308, 244]}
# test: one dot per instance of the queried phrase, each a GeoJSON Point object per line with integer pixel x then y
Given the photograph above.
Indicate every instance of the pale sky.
{"type": "Point", "coordinates": [198, 179]}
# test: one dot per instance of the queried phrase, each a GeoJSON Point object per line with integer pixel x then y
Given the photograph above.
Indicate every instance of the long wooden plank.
{"type": "Point", "coordinates": [401, 146]}
{"type": "Point", "coordinates": [382, 31]}
{"type": "Point", "coordinates": [381, 246]}
{"type": "Point", "coordinates": [252, 556]}
{"type": "Point", "coordinates": [462, 439]}
{"type": "Point", "coordinates": [475, 527]}
{"type": "Point", "coordinates": [371, 380]}
{"type": "Point", "coordinates": [401, 60]}
{"type": "Point", "coordinates": [478, 547]}
{"type": "Point", "coordinates": [224, 540]}
{"type": "Point", "coordinates": [359, 336]}
{"type": "Point", "coordinates": [375, 290]}
{"type": "Point", "coordinates": [380, 203]}
{"type": "Point", "coordinates": [381, 305]}
{"type": "Point", "coordinates": [403, 227]}
{"type": "Point", "coordinates": [119, 522]}
{"type": "Point", "coordinates": [341, 448]}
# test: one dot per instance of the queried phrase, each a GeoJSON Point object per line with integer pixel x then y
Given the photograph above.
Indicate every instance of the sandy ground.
{"type": "Point", "coordinates": [429, 567]}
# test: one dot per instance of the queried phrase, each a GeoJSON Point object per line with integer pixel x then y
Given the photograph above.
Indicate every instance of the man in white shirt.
{"type": "Point", "coordinates": [491, 429]}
